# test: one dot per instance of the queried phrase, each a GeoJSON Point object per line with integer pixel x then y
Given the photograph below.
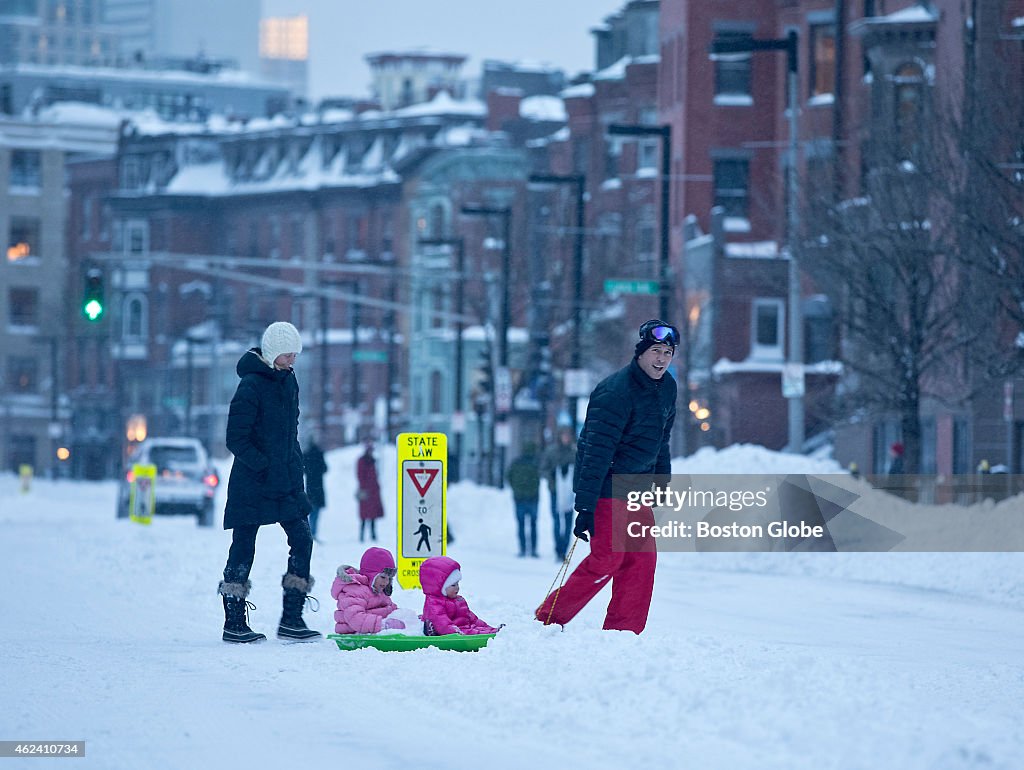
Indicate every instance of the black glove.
{"type": "Point", "coordinates": [584, 525]}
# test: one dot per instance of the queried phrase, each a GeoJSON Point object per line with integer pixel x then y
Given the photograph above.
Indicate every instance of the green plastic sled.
{"type": "Point", "coordinates": [403, 643]}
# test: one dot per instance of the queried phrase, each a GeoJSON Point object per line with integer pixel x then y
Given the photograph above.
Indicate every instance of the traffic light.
{"type": "Point", "coordinates": [93, 303]}
{"type": "Point", "coordinates": [485, 381]}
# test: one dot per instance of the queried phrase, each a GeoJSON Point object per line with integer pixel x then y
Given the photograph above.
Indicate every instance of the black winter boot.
{"type": "Point", "coordinates": [236, 607]}
{"type": "Point", "coordinates": [292, 625]}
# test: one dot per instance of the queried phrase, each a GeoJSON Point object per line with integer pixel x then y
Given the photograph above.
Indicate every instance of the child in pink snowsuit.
{"type": "Point", "coordinates": [444, 611]}
{"type": "Point", "coordinates": [364, 595]}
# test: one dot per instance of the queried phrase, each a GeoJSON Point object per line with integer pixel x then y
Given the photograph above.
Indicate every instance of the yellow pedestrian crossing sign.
{"type": "Point", "coordinates": [142, 496]}
{"type": "Point", "coordinates": [422, 495]}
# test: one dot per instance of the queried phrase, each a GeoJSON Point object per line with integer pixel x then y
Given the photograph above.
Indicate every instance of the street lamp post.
{"type": "Point", "coordinates": [579, 181]}
{"type": "Point", "coordinates": [795, 354]}
{"type": "Point", "coordinates": [459, 244]}
{"type": "Point", "coordinates": [663, 132]}
{"type": "Point", "coordinates": [353, 287]}
{"type": "Point", "coordinates": [506, 268]}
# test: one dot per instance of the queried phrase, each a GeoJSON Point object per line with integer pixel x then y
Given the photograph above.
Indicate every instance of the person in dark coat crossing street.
{"type": "Point", "coordinates": [266, 483]}
{"type": "Point", "coordinates": [627, 431]}
{"type": "Point", "coordinates": [316, 467]}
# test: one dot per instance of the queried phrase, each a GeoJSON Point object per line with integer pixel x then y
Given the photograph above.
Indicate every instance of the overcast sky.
{"type": "Point", "coordinates": [342, 32]}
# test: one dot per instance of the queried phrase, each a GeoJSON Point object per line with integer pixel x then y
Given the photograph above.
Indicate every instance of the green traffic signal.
{"type": "Point", "coordinates": [92, 299]}
{"type": "Point", "coordinates": [93, 310]}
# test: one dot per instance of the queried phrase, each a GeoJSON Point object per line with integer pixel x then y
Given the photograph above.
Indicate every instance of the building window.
{"type": "Point", "coordinates": [387, 239]}
{"type": "Point", "coordinates": [21, 450]}
{"type": "Point", "coordinates": [612, 156]}
{"type": "Point", "coordinates": [732, 180]}
{"type": "Point", "coordinates": [134, 317]}
{"type": "Point", "coordinates": [438, 226]}
{"type": "Point", "coordinates": [23, 307]}
{"type": "Point", "coordinates": [732, 70]}
{"type": "Point", "coordinates": [136, 238]}
{"type": "Point", "coordinates": [436, 404]}
{"type": "Point", "coordinates": [767, 329]}
{"type": "Point", "coordinates": [275, 237]}
{"type": "Point", "coordinates": [23, 239]}
{"type": "Point", "coordinates": [645, 235]}
{"type": "Point", "coordinates": [819, 334]}
{"type": "Point", "coordinates": [131, 173]}
{"type": "Point", "coordinates": [106, 217]}
{"type": "Point", "coordinates": [87, 214]}
{"type": "Point", "coordinates": [581, 156]}
{"type": "Point", "coordinates": [254, 238]}
{"type": "Point", "coordinates": [647, 157]}
{"type": "Point", "coordinates": [909, 95]}
{"type": "Point", "coordinates": [330, 244]}
{"type": "Point", "coordinates": [961, 446]}
{"type": "Point", "coordinates": [437, 297]}
{"type": "Point", "coordinates": [647, 116]}
{"type": "Point", "coordinates": [22, 374]}
{"type": "Point", "coordinates": [298, 238]}
{"type": "Point", "coordinates": [823, 59]}
{"type": "Point", "coordinates": [26, 169]}
{"type": "Point", "coordinates": [355, 237]}
{"type": "Point", "coordinates": [928, 439]}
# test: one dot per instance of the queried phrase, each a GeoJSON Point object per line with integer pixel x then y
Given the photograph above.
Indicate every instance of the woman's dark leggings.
{"type": "Point", "coordinates": [243, 550]}
{"type": "Point", "coordinates": [362, 529]}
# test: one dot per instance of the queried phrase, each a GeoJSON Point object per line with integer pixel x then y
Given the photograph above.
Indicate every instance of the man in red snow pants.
{"type": "Point", "coordinates": [627, 431]}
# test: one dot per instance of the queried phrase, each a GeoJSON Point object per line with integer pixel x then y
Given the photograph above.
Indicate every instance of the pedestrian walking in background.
{"type": "Point", "coordinates": [558, 464]}
{"type": "Point", "coordinates": [370, 506]}
{"type": "Point", "coordinates": [316, 467]}
{"type": "Point", "coordinates": [266, 483]}
{"type": "Point", "coordinates": [524, 479]}
{"type": "Point", "coordinates": [895, 467]}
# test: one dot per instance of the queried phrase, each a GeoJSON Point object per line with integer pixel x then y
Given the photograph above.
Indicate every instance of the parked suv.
{"type": "Point", "coordinates": [185, 479]}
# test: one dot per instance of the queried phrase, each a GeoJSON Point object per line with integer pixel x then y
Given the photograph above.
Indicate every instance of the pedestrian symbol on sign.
{"type": "Point", "coordinates": [424, 533]}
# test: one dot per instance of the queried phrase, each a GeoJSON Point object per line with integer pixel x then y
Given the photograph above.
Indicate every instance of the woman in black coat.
{"type": "Point", "coordinates": [266, 482]}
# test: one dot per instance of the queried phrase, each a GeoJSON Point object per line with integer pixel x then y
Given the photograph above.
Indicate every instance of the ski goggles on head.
{"type": "Point", "coordinates": [657, 331]}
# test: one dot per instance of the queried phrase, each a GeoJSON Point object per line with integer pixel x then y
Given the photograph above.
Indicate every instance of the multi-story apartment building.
{"type": "Point", "coordinates": [56, 32]}
{"type": "Point", "coordinates": [867, 73]}
{"type": "Point", "coordinates": [177, 94]}
{"type": "Point", "coordinates": [315, 220]}
{"type": "Point", "coordinates": [403, 78]}
{"type": "Point", "coordinates": [36, 276]}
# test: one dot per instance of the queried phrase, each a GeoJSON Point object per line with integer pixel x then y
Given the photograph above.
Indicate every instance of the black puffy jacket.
{"type": "Point", "coordinates": [266, 482]}
{"type": "Point", "coordinates": [629, 421]}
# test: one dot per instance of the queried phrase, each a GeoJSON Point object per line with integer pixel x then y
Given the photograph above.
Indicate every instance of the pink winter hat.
{"type": "Point", "coordinates": [375, 561]}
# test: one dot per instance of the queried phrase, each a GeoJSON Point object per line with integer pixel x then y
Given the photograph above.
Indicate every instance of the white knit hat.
{"type": "Point", "coordinates": [280, 337]}
{"type": "Point", "coordinates": [451, 580]}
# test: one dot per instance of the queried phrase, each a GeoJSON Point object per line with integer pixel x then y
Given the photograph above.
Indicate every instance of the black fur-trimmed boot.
{"type": "Point", "coordinates": [236, 608]}
{"type": "Point", "coordinates": [295, 595]}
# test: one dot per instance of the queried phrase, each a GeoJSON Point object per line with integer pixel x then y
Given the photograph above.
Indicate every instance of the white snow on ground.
{"type": "Point", "coordinates": [111, 634]}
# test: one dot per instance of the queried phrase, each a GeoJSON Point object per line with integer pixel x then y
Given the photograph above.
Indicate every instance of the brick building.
{"type": "Point", "coordinates": [865, 71]}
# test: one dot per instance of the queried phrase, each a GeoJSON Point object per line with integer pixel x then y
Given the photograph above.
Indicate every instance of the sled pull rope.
{"type": "Point", "coordinates": [563, 573]}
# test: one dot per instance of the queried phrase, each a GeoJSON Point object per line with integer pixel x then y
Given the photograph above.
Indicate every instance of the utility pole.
{"type": "Point", "coordinates": [459, 244]}
{"type": "Point", "coordinates": [506, 268]}
{"type": "Point", "coordinates": [579, 182]}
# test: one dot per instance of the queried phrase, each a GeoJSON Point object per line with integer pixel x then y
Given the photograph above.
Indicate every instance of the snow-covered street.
{"type": "Point", "coordinates": [111, 635]}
